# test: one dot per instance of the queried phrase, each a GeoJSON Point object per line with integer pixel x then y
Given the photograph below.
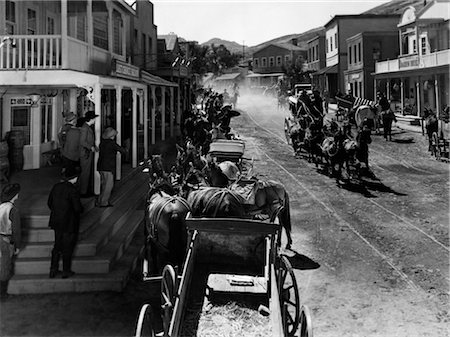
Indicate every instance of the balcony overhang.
{"type": "Point", "coordinates": [62, 78]}
{"type": "Point", "coordinates": [327, 70]}
{"type": "Point", "coordinates": [413, 72]}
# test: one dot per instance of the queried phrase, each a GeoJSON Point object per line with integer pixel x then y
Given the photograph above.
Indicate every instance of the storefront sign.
{"type": "Point", "coordinates": [125, 70]}
{"type": "Point", "coordinates": [409, 61]}
{"type": "Point", "coordinates": [183, 71]}
{"type": "Point", "coordinates": [28, 101]}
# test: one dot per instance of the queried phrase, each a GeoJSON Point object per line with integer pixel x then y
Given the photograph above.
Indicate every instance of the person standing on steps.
{"type": "Point", "coordinates": [10, 234]}
{"type": "Point", "coordinates": [87, 149]}
{"type": "Point", "coordinates": [106, 165]}
{"type": "Point", "coordinates": [65, 209]}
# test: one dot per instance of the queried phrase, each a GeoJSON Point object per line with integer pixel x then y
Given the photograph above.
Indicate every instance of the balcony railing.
{"type": "Point", "coordinates": [31, 52]}
{"type": "Point", "coordinates": [409, 62]}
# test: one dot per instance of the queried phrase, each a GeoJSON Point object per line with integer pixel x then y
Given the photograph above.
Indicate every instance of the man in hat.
{"type": "Point", "coordinates": [65, 209]}
{"type": "Point", "coordinates": [69, 139]}
{"type": "Point", "coordinates": [87, 149]}
{"type": "Point", "coordinates": [106, 165]}
{"type": "Point", "coordinates": [10, 234]}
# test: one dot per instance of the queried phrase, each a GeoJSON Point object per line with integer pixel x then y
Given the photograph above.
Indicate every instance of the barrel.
{"type": "Point", "coordinates": [16, 142]}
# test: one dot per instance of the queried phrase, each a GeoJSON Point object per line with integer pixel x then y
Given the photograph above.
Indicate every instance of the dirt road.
{"type": "Point", "coordinates": [383, 248]}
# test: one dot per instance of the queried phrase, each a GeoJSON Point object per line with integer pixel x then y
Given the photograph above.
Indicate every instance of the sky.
{"type": "Point", "coordinates": [249, 22]}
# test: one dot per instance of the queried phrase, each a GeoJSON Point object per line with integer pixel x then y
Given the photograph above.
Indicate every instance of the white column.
{"type": "Point", "coordinates": [418, 97]}
{"type": "Point", "coordinates": [402, 95]}
{"type": "Point", "coordinates": [153, 118]}
{"type": "Point", "coordinates": [64, 42]}
{"type": "Point", "coordinates": [35, 135]}
{"type": "Point", "coordinates": [163, 113]}
{"type": "Point", "coordinates": [388, 89]}
{"type": "Point", "coordinates": [119, 130]}
{"type": "Point", "coordinates": [145, 106]}
{"type": "Point", "coordinates": [97, 128]}
{"type": "Point", "coordinates": [436, 93]}
{"type": "Point", "coordinates": [73, 100]}
{"type": "Point", "coordinates": [171, 111]}
{"type": "Point", "coordinates": [134, 127]}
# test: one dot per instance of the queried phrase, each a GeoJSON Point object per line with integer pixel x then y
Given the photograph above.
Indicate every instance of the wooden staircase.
{"type": "Point", "coordinates": [109, 244]}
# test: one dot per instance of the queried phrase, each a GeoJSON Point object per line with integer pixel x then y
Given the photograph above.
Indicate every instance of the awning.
{"type": "Point", "coordinates": [226, 77]}
{"type": "Point", "coordinates": [326, 70]}
{"type": "Point", "coordinates": [150, 79]}
{"type": "Point", "coordinates": [265, 75]}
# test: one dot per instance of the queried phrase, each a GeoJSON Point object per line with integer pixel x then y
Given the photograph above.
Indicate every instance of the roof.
{"type": "Point", "coordinates": [170, 39]}
{"type": "Point", "coordinates": [360, 16]}
{"type": "Point", "coordinates": [225, 77]}
{"type": "Point", "coordinates": [265, 75]}
{"type": "Point", "coordinates": [327, 70]}
{"type": "Point", "coordinates": [153, 79]}
{"type": "Point", "coordinates": [283, 45]}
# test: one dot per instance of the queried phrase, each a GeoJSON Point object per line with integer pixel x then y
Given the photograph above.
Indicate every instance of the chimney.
{"type": "Point", "coordinates": [294, 41]}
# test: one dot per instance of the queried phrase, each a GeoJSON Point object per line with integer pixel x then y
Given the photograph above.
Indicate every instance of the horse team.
{"type": "Point", "coordinates": [199, 184]}
{"type": "Point", "coordinates": [328, 144]}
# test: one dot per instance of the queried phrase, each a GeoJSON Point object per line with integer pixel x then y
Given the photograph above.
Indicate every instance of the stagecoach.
{"type": "Point", "coordinates": [233, 262]}
{"type": "Point", "coordinates": [440, 139]}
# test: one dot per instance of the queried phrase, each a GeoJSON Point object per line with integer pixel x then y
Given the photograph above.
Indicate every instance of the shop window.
{"type": "Point", "coordinates": [50, 26]}
{"type": "Point", "coordinates": [46, 123]}
{"type": "Point", "coordinates": [21, 121]}
{"type": "Point", "coordinates": [286, 59]}
{"type": "Point", "coordinates": [10, 8]}
{"type": "Point", "coordinates": [335, 40]}
{"type": "Point", "coordinates": [359, 52]}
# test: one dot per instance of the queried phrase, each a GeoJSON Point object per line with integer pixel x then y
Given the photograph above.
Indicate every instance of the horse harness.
{"type": "Point", "coordinates": [221, 195]}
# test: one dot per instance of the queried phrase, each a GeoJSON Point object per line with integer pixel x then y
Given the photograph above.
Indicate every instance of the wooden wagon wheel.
{"type": "Point", "coordinates": [144, 325]}
{"type": "Point", "coordinates": [435, 149]}
{"type": "Point", "coordinates": [305, 322]}
{"type": "Point", "coordinates": [168, 289]}
{"type": "Point", "coordinates": [286, 131]}
{"type": "Point", "coordinates": [289, 296]}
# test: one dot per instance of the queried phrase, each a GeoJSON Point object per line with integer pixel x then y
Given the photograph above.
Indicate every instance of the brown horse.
{"type": "Point", "coordinates": [259, 197]}
{"type": "Point", "coordinates": [165, 228]}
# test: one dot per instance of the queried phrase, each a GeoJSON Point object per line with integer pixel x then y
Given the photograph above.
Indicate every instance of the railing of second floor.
{"type": "Point", "coordinates": [31, 52]}
{"type": "Point", "coordinates": [435, 59]}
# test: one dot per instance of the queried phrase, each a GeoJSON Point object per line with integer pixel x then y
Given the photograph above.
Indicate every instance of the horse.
{"type": "Point", "coordinates": [352, 164]}
{"type": "Point", "coordinates": [206, 201]}
{"type": "Point", "coordinates": [260, 197]}
{"type": "Point", "coordinates": [431, 126]}
{"type": "Point", "coordinates": [334, 154]}
{"type": "Point", "coordinates": [313, 139]}
{"type": "Point", "coordinates": [165, 228]}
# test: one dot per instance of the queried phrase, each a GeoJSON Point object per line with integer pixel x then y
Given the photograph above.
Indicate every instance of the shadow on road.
{"type": "Point", "coordinates": [300, 261]}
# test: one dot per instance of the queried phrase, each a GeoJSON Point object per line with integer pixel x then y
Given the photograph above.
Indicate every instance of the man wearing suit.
{"type": "Point", "coordinates": [87, 149]}
{"type": "Point", "coordinates": [65, 206]}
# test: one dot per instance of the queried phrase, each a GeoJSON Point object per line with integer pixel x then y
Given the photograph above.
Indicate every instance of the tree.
{"type": "Point", "coordinates": [212, 59]}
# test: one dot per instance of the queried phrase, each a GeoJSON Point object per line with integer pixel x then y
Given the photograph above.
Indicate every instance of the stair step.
{"type": "Point", "coordinates": [115, 280]}
{"type": "Point", "coordinates": [44, 249]}
{"type": "Point", "coordinates": [100, 263]}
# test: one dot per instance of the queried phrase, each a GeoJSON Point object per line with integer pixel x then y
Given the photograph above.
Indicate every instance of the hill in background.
{"type": "Point", "coordinates": [392, 7]}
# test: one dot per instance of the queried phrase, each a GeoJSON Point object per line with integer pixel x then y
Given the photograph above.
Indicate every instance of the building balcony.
{"type": "Point", "coordinates": [52, 52]}
{"type": "Point", "coordinates": [410, 62]}
{"type": "Point", "coordinates": [314, 65]}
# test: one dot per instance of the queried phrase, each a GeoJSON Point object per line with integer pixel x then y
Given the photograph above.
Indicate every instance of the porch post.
{"type": "Point", "coordinates": [418, 97]}
{"type": "Point", "coordinates": [436, 93]}
{"type": "Point", "coordinates": [153, 118]}
{"type": "Point", "coordinates": [119, 130]}
{"type": "Point", "coordinates": [172, 110]}
{"type": "Point", "coordinates": [402, 95]}
{"type": "Point", "coordinates": [134, 127]}
{"type": "Point", "coordinates": [388, 89]}
{"type": "Point", "coordinates": [145, 106]}
{"type": "Point", "coordinates": [97, 128]}
{"type": "Point", "coordinates": [64, 42]}
{"type": "Point", "coordinates": [179, 112]}
{"type": "Point", "coordinates": [163, 113]}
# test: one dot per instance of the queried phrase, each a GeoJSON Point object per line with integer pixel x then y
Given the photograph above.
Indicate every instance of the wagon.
{"type": "Point", "coordinates": [230, 262]}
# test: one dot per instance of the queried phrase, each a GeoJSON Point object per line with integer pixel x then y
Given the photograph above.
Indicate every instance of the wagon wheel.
{"type": "Point", "coordinates": [168, 289]}
{"type": "Point", "coordinates": [144, 325]}
{"type": "Point", "coordinates": [289, 297]}
{"type": "Point", "coordinates": [286, 131]}
{"type": "Point", "coordinates": [435, 150]}
{"type": "Point", "coordinates": [305, 322]}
